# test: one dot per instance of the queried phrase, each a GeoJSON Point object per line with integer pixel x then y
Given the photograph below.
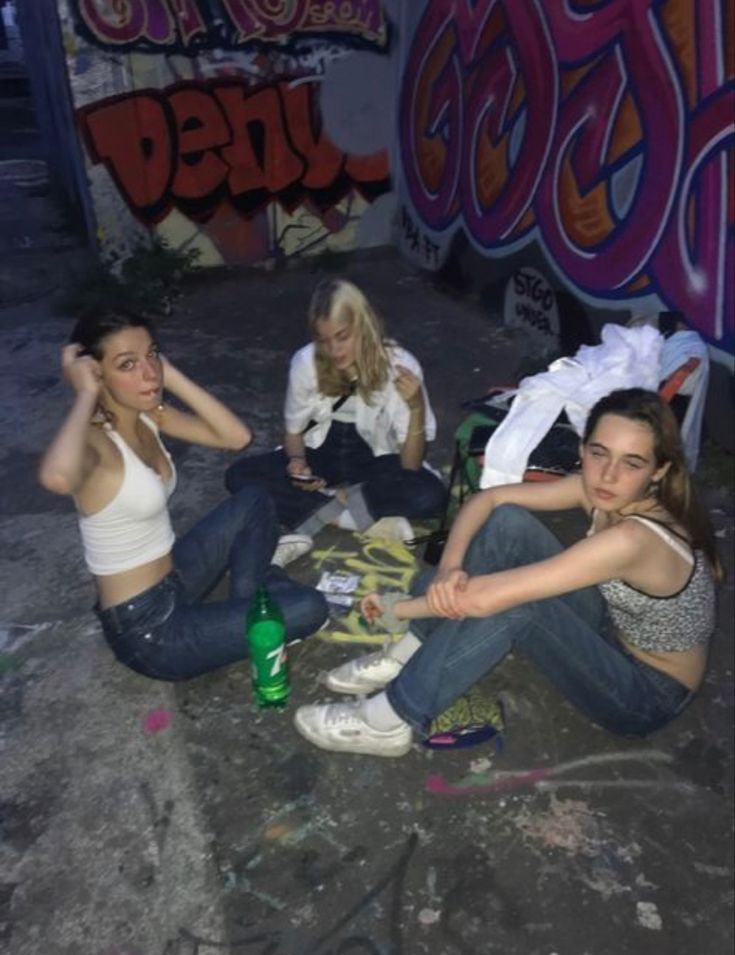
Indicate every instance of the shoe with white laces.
{"type": "Point", "coordinates": [364, 674]}
{"type": "Point", "coordinates": [341, 728]}
{"type": "Point", "coordinates": [290, 547]}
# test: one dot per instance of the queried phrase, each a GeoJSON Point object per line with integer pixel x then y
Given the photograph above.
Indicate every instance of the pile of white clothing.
{"type": "Point", "coordinates": [626, 358]}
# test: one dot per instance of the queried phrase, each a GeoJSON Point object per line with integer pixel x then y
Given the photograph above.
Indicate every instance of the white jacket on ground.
{"type": "Point", "coordinates": [626, 358]}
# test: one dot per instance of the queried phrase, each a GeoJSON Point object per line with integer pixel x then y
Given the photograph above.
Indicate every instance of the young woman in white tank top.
{"type": "Point", "coordinates": [619, 622]}
{"type": "Point", "coordinates": [109, 457]}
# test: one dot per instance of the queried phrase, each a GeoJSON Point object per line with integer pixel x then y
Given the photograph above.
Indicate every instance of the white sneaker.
{"type": "Point", "coordinates": [392, 529]}
{"type": "Point", "coordinates": [364, 674]}
{"type": "Point", "coordinates": [340, 727]}
{"type": "Point", "coordinates": [290, 547]}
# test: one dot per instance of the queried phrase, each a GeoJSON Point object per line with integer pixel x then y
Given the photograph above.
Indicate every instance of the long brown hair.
{"type": "Point", "coordinates": [675, 491]}
{"type": "Point", "coordinates": [343, 301]}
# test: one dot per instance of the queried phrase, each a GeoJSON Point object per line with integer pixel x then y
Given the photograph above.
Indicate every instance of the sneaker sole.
{"type": "Point", "coordinates": [339, 747]}
{"type": "Point", "coordinates": [353, 689]}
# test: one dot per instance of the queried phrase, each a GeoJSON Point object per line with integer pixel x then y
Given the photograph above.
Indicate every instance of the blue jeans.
{"type": "Point", "coordinates": [169, 633]}
{"type": "Point", "coordinates": [343, 458]}
{"type": "Point", "coordinates": [569, 638]}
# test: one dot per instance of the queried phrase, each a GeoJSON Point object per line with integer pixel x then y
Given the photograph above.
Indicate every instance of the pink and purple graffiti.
{"type": "Point", "coordinates": [605, 131]}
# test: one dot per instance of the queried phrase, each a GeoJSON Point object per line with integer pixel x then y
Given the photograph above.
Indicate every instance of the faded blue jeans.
{"type": "Point", "coordinates": [345, 458]}
{"type": "Point", "coordinates": [569, 638]}
{"type": "Point", "coordinates": [168, 632]}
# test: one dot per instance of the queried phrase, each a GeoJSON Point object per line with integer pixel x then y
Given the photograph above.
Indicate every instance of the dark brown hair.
{"type": "Point", "coordinates": [91, 330]}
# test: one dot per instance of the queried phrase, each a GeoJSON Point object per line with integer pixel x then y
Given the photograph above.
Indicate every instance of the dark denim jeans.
{"type": "Point", "coordinates": [344, 458]}
{"type": "Point", "coordinates": [569, 638]}
{"type": "Point", "coordinates": [169, 633]}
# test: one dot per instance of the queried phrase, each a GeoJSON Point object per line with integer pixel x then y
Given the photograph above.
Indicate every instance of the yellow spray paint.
{"type": "Point", "coordinates": [381, 564]}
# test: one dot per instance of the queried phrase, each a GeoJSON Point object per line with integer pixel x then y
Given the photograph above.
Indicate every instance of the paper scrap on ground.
{"type": "Point", "coordinates": [338, 587]}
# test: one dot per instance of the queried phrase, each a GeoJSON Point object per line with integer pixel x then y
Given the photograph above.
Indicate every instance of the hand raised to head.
{"type": "Point", "coordinates": [81, 371]}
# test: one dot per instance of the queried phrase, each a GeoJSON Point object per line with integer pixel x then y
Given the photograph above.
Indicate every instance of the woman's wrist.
{"type": "Point", "coordinates": [416, 421]}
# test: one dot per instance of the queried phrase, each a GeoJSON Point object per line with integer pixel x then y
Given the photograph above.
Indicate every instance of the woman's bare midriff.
{"type": "Point", "coordinates": [117, 588]}
{"type": "Point", "coordinates": [686, 666]}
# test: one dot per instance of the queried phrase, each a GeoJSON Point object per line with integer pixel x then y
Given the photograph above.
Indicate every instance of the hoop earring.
{"type": "Point", "coordinates": [103, 417]}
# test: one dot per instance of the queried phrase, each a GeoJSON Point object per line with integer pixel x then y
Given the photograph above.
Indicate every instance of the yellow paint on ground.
{"type": "Point", "coordinates": [383, 565]}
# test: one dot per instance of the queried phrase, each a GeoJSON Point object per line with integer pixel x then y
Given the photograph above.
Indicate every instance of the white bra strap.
{"type": "Point", "coordinates": [679, 546]}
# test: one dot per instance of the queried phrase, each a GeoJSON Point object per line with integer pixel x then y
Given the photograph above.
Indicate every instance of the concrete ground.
{"type": "Point", "coordinates": [139, 818]}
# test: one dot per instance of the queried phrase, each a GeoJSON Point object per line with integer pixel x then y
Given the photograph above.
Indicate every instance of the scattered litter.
{"type": "Point", "coordinates": [642, 882]}
{"type": "Point", "coordinates": [712, 869]}
{"type": "Point", "coordinates": [338, 587]}
{"type": "Point", "coordinates": [157, 720]}
{"type": "Point", "coordinates": [648, 916]}
{"type": "Point", "coordinates": [481, 765]}
{"type": "Point", "coordinates": [429, 916]}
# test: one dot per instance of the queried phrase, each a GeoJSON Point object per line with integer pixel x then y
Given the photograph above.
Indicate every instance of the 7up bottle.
{"type": "Point", "coordinates": [265, 634]}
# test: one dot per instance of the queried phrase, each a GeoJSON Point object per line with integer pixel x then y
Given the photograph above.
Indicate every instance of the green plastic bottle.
{"type": "Point", "coordinates": [266, 634]}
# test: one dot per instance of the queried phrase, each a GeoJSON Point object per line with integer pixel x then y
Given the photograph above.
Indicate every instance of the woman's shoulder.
{"type": "Point", "coordinates": [649, 536]}
{"type": "Point", "coordinates": [659, 520]}
{"type": "Point", "coordinates": [302, 360]}
{"type": "Point", "coordinates": [399, 355]}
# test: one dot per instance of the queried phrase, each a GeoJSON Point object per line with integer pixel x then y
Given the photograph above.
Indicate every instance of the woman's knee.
{"type": "Point", "coordinates": [511, 518]}
{"type": "Point", "coordinates": [253, 500]}
{"type": "Point", "coordinates": [307, 610]}
{"type": "Point", "coordinates": [510, 537]}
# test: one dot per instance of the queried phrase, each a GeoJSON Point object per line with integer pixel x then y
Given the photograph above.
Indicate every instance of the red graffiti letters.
{"type": "Point", "coordinates": [193, 145]}
{"type": "Point", "coordinates": [190, 25]}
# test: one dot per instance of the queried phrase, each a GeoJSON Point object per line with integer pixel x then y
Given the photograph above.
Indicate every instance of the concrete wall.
{"type": "Point", "coordinates": [593, 141]}
{"type": "Point", "coordinates": [250, 130]}
{"type": "Point", "coordinates": [42, 56]}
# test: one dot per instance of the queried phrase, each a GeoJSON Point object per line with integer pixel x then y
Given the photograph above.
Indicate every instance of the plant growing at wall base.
{"type": "Point", "coordinates": [148, 282]}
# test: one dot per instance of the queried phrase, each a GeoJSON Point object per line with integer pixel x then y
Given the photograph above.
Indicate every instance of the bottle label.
{"type": "Point", "coordinates": [278, 659]}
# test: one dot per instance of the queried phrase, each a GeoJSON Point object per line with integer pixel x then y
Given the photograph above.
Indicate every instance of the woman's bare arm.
{"type": "Point", "coordinates": [413, 448]}
{"type": "Point", "coordinates": [211, 424]}
{"type": "Point", "coordinates": [451, 579]}
{"type": "Point", "coordinates": [70, 459]}
{"type": "Point", "coordinates": [617, 552]}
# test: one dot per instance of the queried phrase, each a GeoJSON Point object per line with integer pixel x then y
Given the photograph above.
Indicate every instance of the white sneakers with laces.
{"type": "Point", "coordinates": [364, 674]}
{"type": "Point", "coordinates": [342, 728]}
{"type": "Point", "coordinates": [290, 547]}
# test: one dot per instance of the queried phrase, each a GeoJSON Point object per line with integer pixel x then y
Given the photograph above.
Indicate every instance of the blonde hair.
{"type": "Point", "coordinates": [342, 301]}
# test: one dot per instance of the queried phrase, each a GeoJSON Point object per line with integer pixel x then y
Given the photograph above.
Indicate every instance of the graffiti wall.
{"type": "Point", "coordinates": [252, 130]}
{"type": "Point", "coordinates": [601, 132]}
